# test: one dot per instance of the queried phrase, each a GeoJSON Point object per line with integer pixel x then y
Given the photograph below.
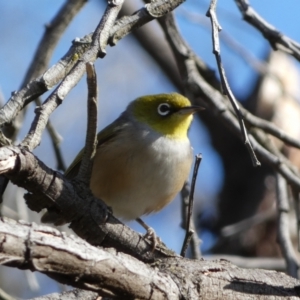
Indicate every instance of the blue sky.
{"type": "Point", "coordinates": [127, 72]}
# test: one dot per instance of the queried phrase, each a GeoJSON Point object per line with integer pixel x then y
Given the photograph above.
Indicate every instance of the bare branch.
{"type": "Point", "coordinates": [39, 63]}
{"type": "Point", "coordinates": [225, 86]}
{"type": "Point", "coordinates": [296, 200]}
{"type": "Point", "coordinates": [56, 140]}
{"type": "Point", "coordinates": [270, 128]}
{"type": "Point", "coordinates": [71, 295]}
{"type": "Point", "coordinates": [195, 241]}
{"type": "Point", "coordinates": [72, 261]}
{"type": "Point", "coordinates": [89, 216]}
{"type": "Point", "coordinates": [276, 39]}
{"type": "Point", "coordinates": [58, 71]}
{"type": "Point", "coordinates": [5, 296]}
{"type": "Point", "coordinates": [53, 32]}
{"type": "Point", "coordinates": [242, 226]}
{"type": "Point", "coordinates": [45, 82]}
{"type": "Point", "coordinates": [85, 169]}
{"type": "Point", "coordinates": [152, 10]}
{"type": "Point", "coordinates": [112, 273]}
{"type": "Point", "coordinates": [189, 227]}
{"type": "Point", "coordinates": [99, 37]}
{"type": "Point", "coordinates": [284, 237]}
{"type": "Point", "coordinates": [199, 87]}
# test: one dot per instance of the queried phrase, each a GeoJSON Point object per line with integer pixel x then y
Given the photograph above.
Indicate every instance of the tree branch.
{"type": "Point", "coordinates": [70, 260]}
{"type": "Point", "coordinates": [276, 39]}
{"type": "Point", "coordinates": [90, 219]}
{"type": "Point", "coordinates": [112, 273]}
{"type": "Point", "coordinates": [85, 170]}
{"type": "Point", "coordinates": [211, 13]}
{"type": "Point", "coordinates": [58, 71]}
{"type": "Point", "coordinates": [97, 48]}
{"type": "Point", "coordinates": [284, 228]}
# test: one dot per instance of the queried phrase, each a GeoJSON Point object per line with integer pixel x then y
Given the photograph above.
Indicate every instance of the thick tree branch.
{"type": "Point", "coordinates": [89, 216]}
{"type": "Point", "coordinates": [72, 261]}
{"type": "Point", "coordinates": [109, 272]}
{"type": "Point", "coordinates": [72, 295]}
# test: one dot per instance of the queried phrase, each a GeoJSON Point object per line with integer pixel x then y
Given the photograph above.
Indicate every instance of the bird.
{"type": "Point", "coordinates": [142, 159]}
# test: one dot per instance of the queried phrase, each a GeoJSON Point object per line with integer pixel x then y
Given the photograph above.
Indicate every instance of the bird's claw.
{"type": "Point", "coordinates": [151, 235]}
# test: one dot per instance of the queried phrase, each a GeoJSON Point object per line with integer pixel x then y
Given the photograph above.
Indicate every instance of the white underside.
{"type": "Point", "coordinates": [142, 176]}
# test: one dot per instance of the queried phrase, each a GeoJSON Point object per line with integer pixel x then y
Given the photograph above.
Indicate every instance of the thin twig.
{"type": "Point", "coordinates": [58, 71]}
{"type": "Point", "coordinates": [246, 224]}
{"type": "Point", "coordinates": [270, 128]}
{"type": "Point", "coordinates": [283, 227]}
{"type": "Point", "coordinates": [40, 61]}
{"type": "Point", "coordinates": [195, 241]}
{"type": "Point", "coordinates": [189, 225]}
{"type": "Point", "coordinates": [225, 86]}
{"type": "Point", "coordinates": [33, 138]}
{"type": "Point", "coordinates": [276, 39]}
{"type": "Point", "coordinates": [199, 86]}
{"type": "Point", "coordinates": [240, 50]}
{"type": "Point", "coordinates": [85, 169]}
{"type": "Point", "coordinates": [56, 140]}
{"type": "Point", "coordinates": [296, 195]}
{"type": "Point", "coordinates": [5, 296]}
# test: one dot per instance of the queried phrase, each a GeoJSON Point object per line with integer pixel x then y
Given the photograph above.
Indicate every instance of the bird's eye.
{"type": "Point", "coordinates": [163, 109]}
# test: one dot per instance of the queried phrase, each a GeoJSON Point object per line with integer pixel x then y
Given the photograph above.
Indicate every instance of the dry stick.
{"type": "Point", "coordinates": [245, 224]}
{"type": "Point", "coordinates": [196, 79]}
{"type": "Point", "coordinates": [56, 139]}
{"type": "Point", "coordinates": [41, 59]}
{"type": "Point", "coordinates": [225, 86]}
{"type": "Point", "coordinates": [196, 83]}
{"type": "Point", "coordinates": [195, 241]}
{"type": "Point", "coordinates": [283, 227]}
{"type": "Point", "coordinates": [59, 70]}
{"type": "Point", "coordinates": [189, 231]}
{"type": "Point", "coordinates": [97, 48]}
{"type": "Point", "coordinates": [270, 128]}
{"type": "Point", "coordinates": [296, 195]}
{"type": "Point", "coordinates": [155, 9]}
{"type": "Point", "coordinates": [252, 120]}
{"type": "Point", "coordinates": [268, 31]}
{"type": "Point", "coordinates": [241, 51]}
{"type": "Point", "coordinates": [85, 169]}
{"type": "Point", "coordinates": [5, 296]}
{"type": "Point", "coordinates": [45, 82]}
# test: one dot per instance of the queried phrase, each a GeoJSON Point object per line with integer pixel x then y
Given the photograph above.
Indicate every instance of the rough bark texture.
{"type": "Point", "coordinates": [71, 260]}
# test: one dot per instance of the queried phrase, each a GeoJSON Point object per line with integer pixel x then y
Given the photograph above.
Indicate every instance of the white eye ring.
{"type": "Point", "coordinates": [163, 109]}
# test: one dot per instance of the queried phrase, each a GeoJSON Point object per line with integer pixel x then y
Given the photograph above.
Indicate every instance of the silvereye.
{"type": "Point", "coordinates": [143, 158]}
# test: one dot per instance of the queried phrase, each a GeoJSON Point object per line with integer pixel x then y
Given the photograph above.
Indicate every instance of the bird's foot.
{"type": "Point", "coordinates": [150, 234]}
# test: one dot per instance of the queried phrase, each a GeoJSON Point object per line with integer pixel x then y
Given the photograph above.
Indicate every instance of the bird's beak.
{"type": "Point", "coordinates": [189, 110]}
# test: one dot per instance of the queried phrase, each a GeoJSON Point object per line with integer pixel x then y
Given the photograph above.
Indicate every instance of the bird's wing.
{"type": "Point", "coordinates": [104, 136]}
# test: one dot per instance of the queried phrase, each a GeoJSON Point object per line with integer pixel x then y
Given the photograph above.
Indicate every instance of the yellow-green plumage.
{"type": "Point", "coordinates": [143, 157]}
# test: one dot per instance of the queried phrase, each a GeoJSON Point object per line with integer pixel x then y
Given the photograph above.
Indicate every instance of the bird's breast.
{"type": "Point", "coordinates": [140, 174]}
